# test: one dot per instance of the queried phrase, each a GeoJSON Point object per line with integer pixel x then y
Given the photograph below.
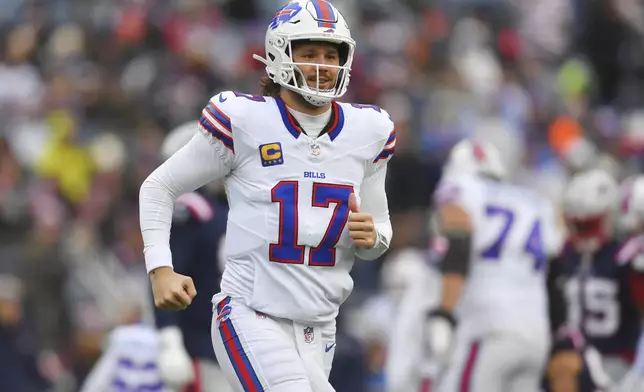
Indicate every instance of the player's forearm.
{"type": "Point", "coordinates": [193, 166]}
{"type": "Point", "coordinates": [456, 225]}
{"type": "Point", "coordinates": [557, 308]}
{"type": "Point", "coordinates": [451, 291]}
{"type": "Point", "coordinates": [374, 201]}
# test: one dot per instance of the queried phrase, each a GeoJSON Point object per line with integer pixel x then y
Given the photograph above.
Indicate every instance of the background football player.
{"type": "Point", "coordinates": [500, 239]}
{"type": "Point", "coordinates": [408, 365]}
{"type": "Point", "coordinates": [598, 275]}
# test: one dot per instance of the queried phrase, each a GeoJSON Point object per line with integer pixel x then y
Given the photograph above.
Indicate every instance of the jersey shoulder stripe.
{"type": "Point", "coordinates": [388, 150]}
{"type": "Point", "coordinates": [380, 126]}
{"type": "Point", "coordinates": [218, 124]}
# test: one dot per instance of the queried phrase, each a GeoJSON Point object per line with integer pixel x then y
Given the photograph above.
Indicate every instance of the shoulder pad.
{"type": "Point", "coordinates": [381, 124]}
{"type": "Point", "coordinates": [378, 119]}
{"type": "Point", "coordinates": [192, 205]}
{"type": "Point", "coordinates": [224, 113]}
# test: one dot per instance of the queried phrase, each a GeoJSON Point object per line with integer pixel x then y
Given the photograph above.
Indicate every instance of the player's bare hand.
{"type": "Point", "coordinates": [172, 291]}
{"type": "Point", "coordinates": [361, 227]}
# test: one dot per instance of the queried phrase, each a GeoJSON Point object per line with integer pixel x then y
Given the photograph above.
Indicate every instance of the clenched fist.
{"type": "Point", "coordinates": [361, 227]}
{"type": "Point", "coordinates": [172, 291]}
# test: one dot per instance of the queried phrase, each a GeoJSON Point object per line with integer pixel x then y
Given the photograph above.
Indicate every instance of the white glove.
{"type": "Point", "coordinates": [439, 334]}
{"type": "Point", "coordinates": [174, 363]}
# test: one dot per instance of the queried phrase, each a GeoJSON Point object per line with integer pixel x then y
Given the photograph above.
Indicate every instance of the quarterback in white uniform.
{"type": "Point", "coordinates": [500, 238]}
{"type": "Point", "coordinates": [304, 176]}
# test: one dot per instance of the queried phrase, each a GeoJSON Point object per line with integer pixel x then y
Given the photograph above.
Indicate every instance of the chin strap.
{"type": "Point", "coordinates": [310, 98]}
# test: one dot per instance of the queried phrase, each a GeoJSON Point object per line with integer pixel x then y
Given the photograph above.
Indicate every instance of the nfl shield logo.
{"type": "Point", "coordinates": [308, 335]}
{"type": "Point", "coordinates": [315, 149]}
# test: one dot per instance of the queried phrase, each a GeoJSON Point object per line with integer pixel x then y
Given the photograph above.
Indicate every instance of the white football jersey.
{"type": "Point", "coordinates": [515, 231]}
{"type": "Point", "coordinates": [128, 362]}
{"type": "Point", "coordinates": [288, 252]}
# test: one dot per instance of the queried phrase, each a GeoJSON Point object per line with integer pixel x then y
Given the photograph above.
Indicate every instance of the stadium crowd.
{"type": "Point", "coordinates": [90, 88]}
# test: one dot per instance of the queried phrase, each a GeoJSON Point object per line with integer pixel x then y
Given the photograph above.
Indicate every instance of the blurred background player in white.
{"type": "Point", "coordinates": [600, 278]}
{"type": "Point", "coordinates": [500, 238]}
{"type": "Point", "coordinates": [186, 360]}
{"type": "Point", "coordinates": [130, 353]}
{"type": "Point", "coordinates": [378, 318]}
{"type": "Point", "coordinates": [128, 362]}
{"type": "Point", "coordinates": [405, 349]}
{"type": "Point", "coordinates": [304, 177]}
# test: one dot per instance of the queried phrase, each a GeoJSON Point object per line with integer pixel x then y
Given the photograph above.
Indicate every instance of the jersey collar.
{"type": "Point", "coordinates": [332, 128]}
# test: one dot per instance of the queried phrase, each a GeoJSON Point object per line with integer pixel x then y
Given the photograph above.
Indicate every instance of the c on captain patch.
{"type": "Point", "coordinates": [271, 154]}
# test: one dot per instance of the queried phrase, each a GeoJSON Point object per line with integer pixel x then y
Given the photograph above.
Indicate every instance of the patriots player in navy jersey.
{"type": "Point", "coordinates": [187, 361]}
{"type": "Point", "coordinates": [599, 280]}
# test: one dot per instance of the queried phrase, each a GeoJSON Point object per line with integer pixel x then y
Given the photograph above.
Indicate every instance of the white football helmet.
{"type": "Point", "coordinates": [177, 138]}
{"type": "Point", "coordinates": [476, 157]}
{"type": "Point", "coordinates": [590, 203]}
{"type": "Point", "coordinates": [315, 20]}
{"type": "Point", "coordinates": [631, 212]}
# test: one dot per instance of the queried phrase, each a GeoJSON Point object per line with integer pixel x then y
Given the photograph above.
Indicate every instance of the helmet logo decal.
{"type": "Point", "coordinates": [325, 16]}
{"type": "Point", "coordinates": [285, 14]}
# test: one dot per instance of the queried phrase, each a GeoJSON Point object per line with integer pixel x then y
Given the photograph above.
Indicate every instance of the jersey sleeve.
{"type": "Point", "coordinates": [193, 166]}
{"type": "Point", "coordinates": [388, 142]}
{"type": "Point", "coordinates": [216, 124]}
{"type": "Point", "coordinates": [373, 197]}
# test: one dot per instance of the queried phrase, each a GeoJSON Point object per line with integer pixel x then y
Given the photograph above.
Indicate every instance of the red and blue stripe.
{"type": "Point", "coordinates": [333, 128]}
{"type": "Point", "coordinates": [325, 15]}
{"type": "Point", "coordinates": [338, 121]}
{"type": "Point", "coordinates": [287, 118]}
{"type": "Point", "coordinates": [468, 372]}
{"type": "Point", "coordinates": [388, 151]}
{"type": "Point", "coordinates": [238, 357]}
{"type": "Point", "coordinates": [215, 121]}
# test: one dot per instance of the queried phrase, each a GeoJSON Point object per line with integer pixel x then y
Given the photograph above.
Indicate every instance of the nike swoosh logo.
{"type": "Point", "coordinates": [221, 97]}
{"type": "Point", "coordinates": [329, 347]}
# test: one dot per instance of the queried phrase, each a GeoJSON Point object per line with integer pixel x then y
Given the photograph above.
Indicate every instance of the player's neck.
{"type": "Point", "coordinates": [296, 102]}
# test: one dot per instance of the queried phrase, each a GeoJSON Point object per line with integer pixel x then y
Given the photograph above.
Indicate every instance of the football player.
{"type": "Point", "coordinates": [380, 314]}
{"type": "Point", "coordinates": [186, 359]}
{"type": "Point", "coordinates": [632, 223]}
{"type": "Point", "coordinates": [304, 176]}
{"type": "Point", "coordinates": [500, 240]}
{"type": "Point", "coordinates": [599, 275]}
{"type": "Point", "coordinates": [405, 351]}
{"type": "Point", "coordinates": [128, 362]}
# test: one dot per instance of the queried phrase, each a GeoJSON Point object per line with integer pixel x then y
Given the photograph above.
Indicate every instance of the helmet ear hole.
{"type": "Point", "coordinates": [343, 50]}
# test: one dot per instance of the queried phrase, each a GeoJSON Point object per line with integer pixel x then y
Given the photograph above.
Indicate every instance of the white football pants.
{"type": "Point", "coordinates": [260, 353]}
{"type": "Point", "coordinates": [496, 363]}
{"type": "Point", "coordinates": [208, 378]}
